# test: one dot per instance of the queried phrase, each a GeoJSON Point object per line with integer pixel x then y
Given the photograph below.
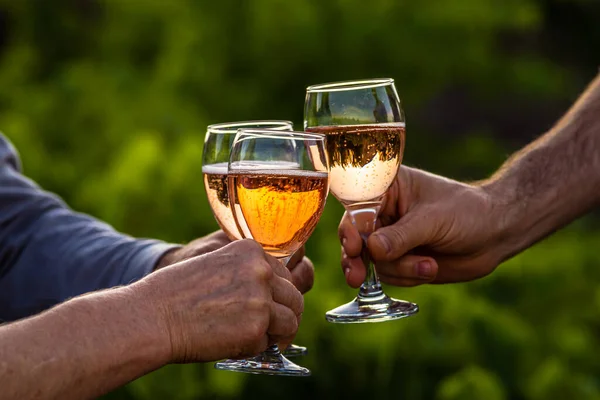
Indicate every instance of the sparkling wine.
{"type": "Point", "coordinates": [363, 159]}
{"type": "Point", "coordinates": [215, 183]}
{"type": "Point", "coordinates": [278, 208]}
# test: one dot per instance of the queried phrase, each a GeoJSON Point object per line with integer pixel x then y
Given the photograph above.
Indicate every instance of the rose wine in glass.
{"type": "Point", "coordinates": [278, 185]}
{"type": "Point", "coordinates": [365, 129]}
{"type": "Point", "coordinates": [215, 157]}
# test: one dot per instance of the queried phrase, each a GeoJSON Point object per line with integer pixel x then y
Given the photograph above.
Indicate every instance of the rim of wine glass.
{"type": "Point", "coordinates": [349, 85]}
{"type": "Point", "coordinates": [277, 134]}
{"type": "Point", "coordinates": [233, 127]}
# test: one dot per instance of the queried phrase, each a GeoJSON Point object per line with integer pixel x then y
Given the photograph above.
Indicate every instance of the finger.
{"type": "Point", "coordinates": [286, 294]}
{"type": "Point", "coordinates": [412, 267]}
{"type": "Point", "coordinates": [349, 237]}
{"type": "Point", "coordinates": [283, 323]}
{"type": "Point", "coordinates": [285, 341]}
{"type": "Point", "coordinates": [296, 258]}
{"type": "Point", "coordinates": [393, 241]}
{"type": "Point", "coordinates": [212, 242]}
{"type": "Point", "coordinates": [303, 275]}
{"type": "Point", "coordinates": [203, 245]}
{"type": "Point", "coordinates": [354, 270]}
{"type": "Point", "coordinates": [462, 269]}
{"type": "Point", "coordinates": [278, 268]}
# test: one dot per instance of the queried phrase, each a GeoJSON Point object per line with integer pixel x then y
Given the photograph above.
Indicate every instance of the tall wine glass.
{"type": "Point", "coordinates": [215, 157]}
{"type": "Point", "coordinates": [365, 128]}
{"type": "Point", "coordinates": [278, 184]}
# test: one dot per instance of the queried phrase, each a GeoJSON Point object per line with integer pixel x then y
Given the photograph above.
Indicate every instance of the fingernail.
{"type": "Point", "coordinates": [344, 240]}
{"type": "Point", "coordinates": [424, 269]}
{"type": "Point", "coordinates": [385, 243]}
{"type": "Point", "coordinates": [346, 272]}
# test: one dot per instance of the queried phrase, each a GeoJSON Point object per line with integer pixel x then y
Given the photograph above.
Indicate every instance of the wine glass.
{"type": "Point", "coordinates": [215, 157]}
{"type": "Point", "coordinates": [365, 128]}
{"type": "Point", "coordinates": [278, 184]}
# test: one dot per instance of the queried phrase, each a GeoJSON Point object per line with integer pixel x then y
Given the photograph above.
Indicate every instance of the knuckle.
{"type": "Point", "coordinates": [261, 270]}
{"type": "Point", "coordinates": [257, 329]}
{"type": "Point", "coordinates": [258, 303]}
{"type": "Point", "coordinates": [255, 271]}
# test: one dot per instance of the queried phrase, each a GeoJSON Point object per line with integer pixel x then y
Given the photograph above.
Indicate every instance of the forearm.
{"type": "Point", "coordinates": [552, 181]}
{"type": "Point", "coordinates": [82, 348]}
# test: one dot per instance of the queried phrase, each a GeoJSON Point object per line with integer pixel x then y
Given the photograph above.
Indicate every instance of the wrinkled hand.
{"type": "Point", "coordinates": [229, 303]}
{"type": "Point", "coordinates": [430, 229]}
{"type": "Point", "coordinates": [301, 267]}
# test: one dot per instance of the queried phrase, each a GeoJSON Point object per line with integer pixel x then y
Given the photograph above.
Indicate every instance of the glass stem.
{"type": "Point", "coordinates": [272, 353]}
{"type": "Point", "coordinates": [364, 220]}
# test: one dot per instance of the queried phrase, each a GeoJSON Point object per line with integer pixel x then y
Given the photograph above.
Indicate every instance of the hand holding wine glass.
{"type": "Point", "coordinates": [227, 303]}
{"type": "Point", "coordinates": [427, 219]}
{"type": "Point", "coordinates": [278, 184]}
{"type": "Point", "coordinates": [216, 152]}
{"type": "Point", "coordinates": [365, 128]}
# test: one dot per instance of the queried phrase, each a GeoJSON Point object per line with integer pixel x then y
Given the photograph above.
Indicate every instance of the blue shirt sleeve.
{"type": "Point", "coordinates": [49, 253]}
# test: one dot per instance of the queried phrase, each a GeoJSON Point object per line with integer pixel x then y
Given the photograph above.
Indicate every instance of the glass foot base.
{"type": "Point", "coordinates": [267, 363]}
{"type": "Point", "coordinates": [294, 350]}
{"type": "Point", "coordinates": [366, 310]}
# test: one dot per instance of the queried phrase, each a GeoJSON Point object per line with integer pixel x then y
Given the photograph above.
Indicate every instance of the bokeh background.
{"type": "Point", "coordinates": [108, 102]}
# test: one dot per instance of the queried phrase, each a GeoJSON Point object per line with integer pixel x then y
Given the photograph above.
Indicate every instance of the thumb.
{"type": "Point", "coordinates": [393, 241]}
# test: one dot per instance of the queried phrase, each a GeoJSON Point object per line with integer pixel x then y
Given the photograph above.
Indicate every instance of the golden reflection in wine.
{"type": "Point", "coordinates": [278, 208]}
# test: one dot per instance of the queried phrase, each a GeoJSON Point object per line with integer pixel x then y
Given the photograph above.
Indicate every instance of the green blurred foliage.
{"type": "Point", "coordinates": [108, 103]}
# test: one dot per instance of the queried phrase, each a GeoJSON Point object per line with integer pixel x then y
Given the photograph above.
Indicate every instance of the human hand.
{"type": "Point", "coordinates": [196, 247]}
{"type": "Point", "coordinates": [430, 230]}
{"type": "Point", "coordinates": [229, 303]}
{"type": "Point", "coordinates": [300, 266]}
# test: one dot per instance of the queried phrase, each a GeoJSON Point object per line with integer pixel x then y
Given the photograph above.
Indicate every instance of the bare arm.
{"type": "Point", "coordinates": [553, 180]}
{"type": "Point", "coordinates": [439, 230]}
{"type": "Point", "coordinates": [80, 349]}
{"type": "Point", "coordinates": [228, 303]}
